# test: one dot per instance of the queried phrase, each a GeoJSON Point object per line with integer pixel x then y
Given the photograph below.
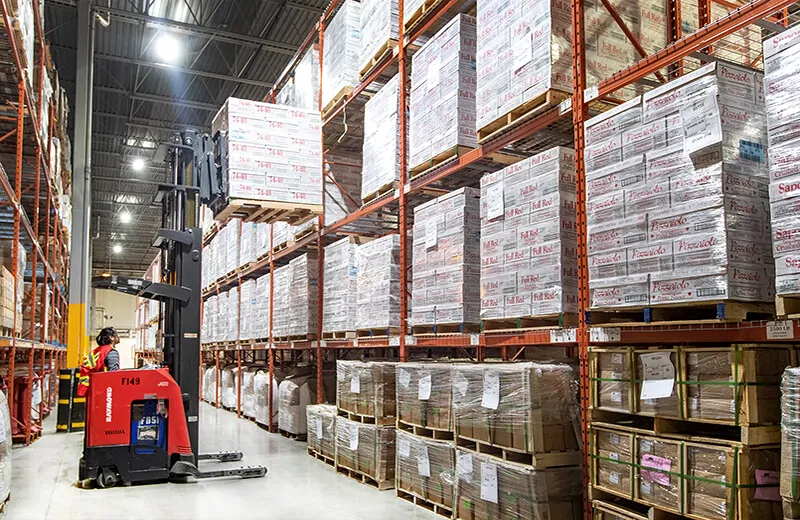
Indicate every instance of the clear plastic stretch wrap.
{"type": "Point", "coordinates": [790, 436]}
{"type": "Point", "coordinates": [723, 481]}
{"type": "Point", "coordinates": [676, 194]}
{"type": "Point", "coordinates": [425, 468]}
{"type": "Point", "coordinates": [295, 393]}
{"type": "Point", "coordinates": [443, 83]}
{"type": "Point", "coordinates": [261, 323]}
{"type": "Point", "coordinates": [249, 391]}
{"type": "Point", "coordinates": [378, 264]}
{"type": "Point", "coordinates": [340, 292]}
{"type": "Point", "coordinates": [295, 296]}
{"type": "Point", "coordinates": [340, 56]}
{"type": "Point", "coordinates": [381, 151]}
{"type": "Point", "coordinates": [379, 24]}
{"type": "Point", "coordinates": [528, 237]}
{"type": "Point", "coordinates": [321, 426]}
{"type": "Point", "coordinates": [248, 309]}
{"type": "Point", "coordinates": [781, 66]}
{"type": "Point", "coordinates": [425, 395]}
{"type": "Point", "coordinates": [488, 487]}
{"type": "Point", "coordinates": [5, 449]}
{"type": "Point", "coordinates": [228, 380]}
{"type": "Point", "coordinates": [343, 196]}
{"type": "Point", "coordinates": [302, 88]}
{"type": "Point", "coordinates": [210, 384]}
{"type": "Point", "coordinates": [737, 385]}
{"type": "Point", "coordinates": [530, 407]}
{"type": "Point", "coordinates": [366, 448]}
{"type": "Point", "coordinates": [446, 259]}
{"type": "Point", "coordinates": [366, 387]}
{"type": "Point", "coordinates": [261, 391]}
{"type": "Point", "coordinates": [274, 152]}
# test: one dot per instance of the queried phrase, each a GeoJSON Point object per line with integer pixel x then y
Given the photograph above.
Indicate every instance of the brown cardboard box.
{"type": "Point", "coordinates": [321, 428]}
{"type": "Point", "coordinates": [366, 388]}
{"type": "Point", "coordinates": [791, 509]}
{"type": "Point", "coordinates": [660, 486]}
{"type": "Point", "coordinates": [425, 468]}
{"type": "Point", "coordinates": [612, 461]}
{"type": "Point", "coordinates": [613, 390]}
{"type": "Point", "coordinates": [428, 404]}
{"type": "Point", "coordinates": [366, 448]}
{"type": "Point", "coordinates": [665, 406]}
{"type": "Point", "coordinates": [529, 407]}
{"type": "Point", "coordinates": [521, 492]}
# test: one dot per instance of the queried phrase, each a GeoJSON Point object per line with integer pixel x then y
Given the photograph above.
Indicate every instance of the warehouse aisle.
{"type": "Point", "coordinates": [296, 487]}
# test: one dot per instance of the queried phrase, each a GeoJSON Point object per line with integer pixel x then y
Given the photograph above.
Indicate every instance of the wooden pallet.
{"type": "Point", "coordinates": [8, 332]}
{"type": "Point", "coordinates": [421, 11]}
{"type": "Point", "coordinates": [367, 419]}
{"type": "Point", "coordinates": [283, 245]}
{"type": "Point", "coordinates": [295, 337]}
{"type": "Point", "coordinates": [523, 112]}
{"type": "Point", "coordinates": [306, 232]}
{"type": "Point", "coordinates": [293, 436]}
{"type": "Point", "coordinates": [319, 456]}
{"type": "Point", "coordinates": [424, 431]}
{"type": "Point", "coordinates": [683, 313]}
{"type": "Point", "coordinates": [537, 460]}
{"type": "Point", "coordinates": [381, 485]}
{"type": "Point", "coordinates": [437, 160]}
{"type": "Point", "coordinates": [338, 98]}
{"type": "Point", "coordinates": [387, 49]}
{"type": "Point", "coordinates": [435, 507]}
{"type": "Point", "coordinates": [380, 192]}
{"type": "Point", "coordinates": [268, 211]}
{"type": "Point", "coordinates": [446, 328]}
{"type": "Point", "coordinates": [787, 307]}
{"type": "Point", "coordinates": [383, 332]}
{"type": "Point", "coordinates": [560, 319]}
{"type": "Point", "coordinates": [345, 334]}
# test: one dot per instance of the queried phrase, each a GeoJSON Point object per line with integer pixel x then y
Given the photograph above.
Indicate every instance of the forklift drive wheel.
{"type": "Point", "coordinates": [106, 478]}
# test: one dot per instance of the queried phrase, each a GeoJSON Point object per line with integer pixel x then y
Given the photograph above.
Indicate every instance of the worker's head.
{"type": "Point", "coordinates": [107, 336]}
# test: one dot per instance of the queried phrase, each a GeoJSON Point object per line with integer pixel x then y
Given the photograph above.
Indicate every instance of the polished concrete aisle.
{"type": "Point", "coordinates": [296, 487]}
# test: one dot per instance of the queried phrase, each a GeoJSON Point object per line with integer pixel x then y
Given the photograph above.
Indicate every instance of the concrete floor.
{"type": "Point", "coordinates": [296, 487]}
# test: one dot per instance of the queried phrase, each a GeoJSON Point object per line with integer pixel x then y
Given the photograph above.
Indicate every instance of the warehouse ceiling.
{"type": "Point", "coordinates": [222, 48]}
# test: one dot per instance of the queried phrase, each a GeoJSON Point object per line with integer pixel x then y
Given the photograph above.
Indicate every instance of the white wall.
{"type": "Point", "coordinates": [118, 310]}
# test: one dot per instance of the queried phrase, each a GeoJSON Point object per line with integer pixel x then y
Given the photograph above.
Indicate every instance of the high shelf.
{"type": "Point", "coordinates": [558, 125]}
{"type": "Point", "coordinates": [34, 220]}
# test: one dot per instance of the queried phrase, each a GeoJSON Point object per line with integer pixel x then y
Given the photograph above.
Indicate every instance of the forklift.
{"type": "Point", "coordinates": [142, 424]}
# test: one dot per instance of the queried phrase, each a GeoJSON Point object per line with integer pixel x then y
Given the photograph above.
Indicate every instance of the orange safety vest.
{"type": "Point", "coordinates": [94, 361]}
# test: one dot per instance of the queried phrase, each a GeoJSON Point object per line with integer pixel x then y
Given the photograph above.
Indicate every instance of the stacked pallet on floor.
{"type": "Point", "coordinates": [425, 448]}
{"type": "Point", "coordinates": [689, 430]}
{"type": "Point", "coordinates": [517, 442]}
{"type": "Point", "coordinates": [365, 426]}
{"type": "Point", "coordinates": [321, 427]}
{"type": "Point", "coordinates": [295, 393]}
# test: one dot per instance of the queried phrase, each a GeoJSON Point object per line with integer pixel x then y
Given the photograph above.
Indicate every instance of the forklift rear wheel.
{"type": "Point", "coordinates": [107, 478]}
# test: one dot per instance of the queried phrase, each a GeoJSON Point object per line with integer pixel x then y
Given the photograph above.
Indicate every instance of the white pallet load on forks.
{"type": "Point", "coordinates": [378, 264]}
{"type": "Point", "coordinates": [340, 54]}
{"type": "Point", "coordinates": [274, 152]}
{"type": "Point", "coordinates": [446, 259]}
{"type": "Point", "coordinates": [381, 151]}
{"type": "Point", "coordinates": [340, 287]}
{"type": "Point", "coordinates": [528, 238]}
{"type": "Point", "coordinates": [379, 26]}
{"type": "Point", "coordinates": [676, 194]}
{"type": "Point", "coordinates": [443, 83]}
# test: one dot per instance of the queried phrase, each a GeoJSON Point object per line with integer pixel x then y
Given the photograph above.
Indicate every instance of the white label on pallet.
{"type": "Point", "coordinates": [423, 461]}
{"type": "Point", "coordinates": [319, 427]}
{"type": "Point", "coordinates": [406, 187]}
{"type": "Point", "coordinates": [432, 78]}
{"type": "Point", "coordinates": [431, 237]}
{"type": "Point", "coordinates": [291, 343]}
{"type": "Point", "coordinates": [355, 383]}
{"type": "Point", "coordinates": [780, 329]}
{"type": "Point", "coordinates": [463, 463]}
{"type": "Point", "coordinates": [353, 437]}
{"type": "Point", "coordinates": [396, 194]}
{"type": "Point", "coordinates": [323, 343]}
{"type": "Point", "coordinates": [659, 375]}
{"type": "Point", "coordinates": [614, 478]}
{"type": "Point", "coordinates": [565, 106]}
{"type": "Point", "coordinates": [489, 482]}
{"type": "Point", "coordinates": [605, 335]}
{"type": "Point", "coordinates": [591, 93]}
{"type": "Point", "coordinates": [424, 392]}
{"type": "Point", "coordinates": [474, 339]}
{"type": "Point", "coordinates": [460, 383]}
{"type": "Point", "coordinates": [494, 201]}
{"type": "Point", "coordinates": [491, 390]}
{"type": "Point", "coordinates": [394, 341]}
{"type": "Point", "coordinates": [403, 377]}
{"type": "Point", "coordinates": [411, 340]}
{"type": "Point", "coordinates": [355, 342]}
{"type": "Point", "coordinates": [564, 336]}
{"type": "Point", "coordinates": [404, 447]}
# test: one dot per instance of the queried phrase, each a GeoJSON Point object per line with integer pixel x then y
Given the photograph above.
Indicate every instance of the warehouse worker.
{"type": "Point", "coordinates": [103, 358]}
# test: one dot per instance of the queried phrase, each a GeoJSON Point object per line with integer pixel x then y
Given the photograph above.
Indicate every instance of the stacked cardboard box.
{"type": "Point", "coordinates": [790, 440]}
{"type": "Point", "coordinates": [248, 309]}
{"type": "Point", "coordinates": [781, 65]}
{"type": "Point", "coordinates": [321, 427]}
{"type": "Point", "coordinates": [366, 449]}
{"type": "Point", "coordinates": [425, 469]}
{"type": "Point", "coordinates": [367, 388]}
{"type": "Point", "coordinates": [443, 83]}
{"type": "Point", "coordinates": [302, 88]}
{"type": "Point", "coordinates": [446, 272]}
{"type": "Point", "coordinates": [737, 385]}
{"type": "Point", "coordinates": [676, 194]}
{"type": "Point", "coordinates": [295, 294]}
{"type": "Point", "coordinates": [488, 488]}
{"type": "Point", "coordinates": [274, 152]}
{"type": "Point", "coordinates": [260, 325]}
{"type": "Point", "coordinates": [378, 283]}
{"type": "Point", "coordinates": [425, 395]}
{"type": "Point", "coordinates": [340, 55]}
{"type": "Point", "coordinates": [528, 238]}
{"type": "Point", "coordinates": [381, 151]}
{"type": "Point", "coordinates": [294, 395]}
{"type": "Point", "coordinates": [529, 407]}
{"type": "Point", "coordinates": [340, 287]}
{"type": "Point", "coordinates": [379, 25]}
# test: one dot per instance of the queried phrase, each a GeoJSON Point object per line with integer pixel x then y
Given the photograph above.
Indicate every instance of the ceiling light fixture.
{"type": "Point", "coordinates": [167, 49]}
{"type": "Point", "coordinates": [138, 164]}
{"type": "Point", "coordinates": [125, 217]}
{"type": "Point", "coordinates": [117, 249]}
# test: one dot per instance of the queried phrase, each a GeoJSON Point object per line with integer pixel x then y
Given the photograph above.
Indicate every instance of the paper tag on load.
{"type": "Point", "coordinates": [460, 383]}
{"type": "Point", "coordinates": [494, 201]}
{"type": "Point", "coordinates": [489, 482]}
{"type": "Point", "coordinates": [617, 359]}
{"type": "Point", "coordinates": [780, 329]}
{"type": "Point", "coordinates": [424, 387]}
{"type": "Point", "coordinates": [404, 377]}
{"type": "Point", "coordinates": [404, 447]}
{"type": "Point", "coordinates": [646, 446]}
{"type": "Point", "coordinates": [353, 437]}
{"type": "Point", "coordinates": [491, 390]}
{"type": "Point", "coordinates": [770, 479]}
{"type": "Point", "coordinates": [423, 462]}
{"type": "Point", "coordinates": [432, 78]}
{"type": "Point", "coordinates": [659, 375]}
{"type": "Point", "coordinates": [523, 51]}
{"type": "Point", "coordinates": [613, 456]}
{"type": "Point", "coordinates": [431, 237]}
{"type": "Point", "coordinates": [355, 383]}
{"type": "Point", "coordinates": [616, 397]}
{"type": "Point", "coordinates": [661, 467]}
{"type": "Point", "coordinates": [319, 427]}
{"type": "Point", "coordinates": [614, 477]}
{"type": "Point", "coordinates": [647, 488]}
{"type": "Point", "coordinates": [463, 463]}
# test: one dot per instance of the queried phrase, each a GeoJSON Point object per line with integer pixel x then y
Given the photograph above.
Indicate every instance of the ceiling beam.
{"type": "Point", "coordinates": [166, 100]}
{"type": "Point", "coordinates": [143, 122]}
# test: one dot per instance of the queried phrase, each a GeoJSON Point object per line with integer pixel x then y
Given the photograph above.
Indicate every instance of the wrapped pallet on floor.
{"type": "Point", "coordinates": [367, 388]}
{"type": "Point", "coordinates": [228, 381]}
{"type": "Point", "coordinates": [366, 452]}
{"type": "Point", "coordinates": [321, 427]}
{"type": "Point", "coordinates": [296, 392]}
{"type": "Point", "coordinates": [210, 384]}
{"type": "Point", "coordinates": [261, 391]}
{"type": "Point", "coordinates": [425, 470]}
{"type": "Point", "coordinates": [5, 450]}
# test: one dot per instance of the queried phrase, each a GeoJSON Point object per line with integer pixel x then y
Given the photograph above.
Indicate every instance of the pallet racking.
{"type": "Point", "coordinates": [557, 125]}
{"type": "Point", "coordinates": [30, 218]}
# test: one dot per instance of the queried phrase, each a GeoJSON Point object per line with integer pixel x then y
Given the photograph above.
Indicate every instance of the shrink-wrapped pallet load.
{"type": "Point", "coordinates": [378, 282]}
{"type": "Point", "coordinates": [367, 450]}
{"type": "Point", "coordinates": [321, 427]}
{"type": "Point", "coordinates": [425, 468]}
{"type": "Point", "coordinates": [366, 388]}
{"type": "Point", "coordinates": [340, 56]}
